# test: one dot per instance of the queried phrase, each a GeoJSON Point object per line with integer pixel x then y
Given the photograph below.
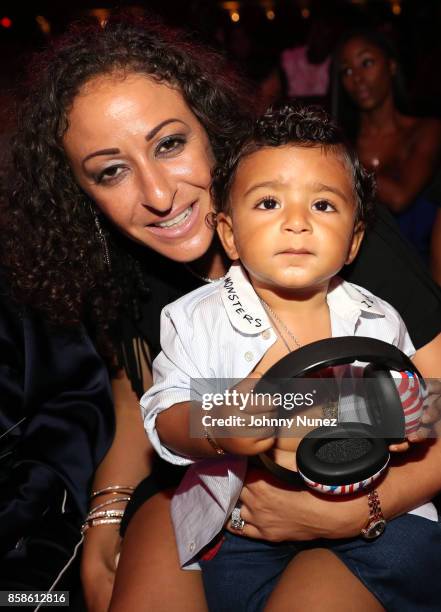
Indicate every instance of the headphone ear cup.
{"type": "Point", "coordinates": [384, 403]}
{"type": "Point", "coordinates": [413, 394]}
{"type": "Point", "coordinates": [343, 459]}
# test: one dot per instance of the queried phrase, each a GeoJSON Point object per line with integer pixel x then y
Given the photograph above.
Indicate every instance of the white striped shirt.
{"type": "Point", "coordinates": [221, 331]}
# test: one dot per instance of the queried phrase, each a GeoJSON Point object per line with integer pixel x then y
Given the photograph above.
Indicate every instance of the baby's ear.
{"type": "Point", "coordinates": [224, 228]}
{"type": "Point", "coordinates": [355, 244]}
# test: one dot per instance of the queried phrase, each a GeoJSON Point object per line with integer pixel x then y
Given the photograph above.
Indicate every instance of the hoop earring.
{"type": "Point", "coordinates": [101, 237]}
{"type": "Point", "coordinates": [211, 220]}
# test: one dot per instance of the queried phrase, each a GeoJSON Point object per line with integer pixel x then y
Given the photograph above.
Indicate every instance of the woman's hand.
{"type": "Point", "coordinates": [275, 512]}
{"type": "Point", "coordinates": [98, 565]}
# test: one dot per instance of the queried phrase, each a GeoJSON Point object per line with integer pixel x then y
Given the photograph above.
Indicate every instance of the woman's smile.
{"type": "Point", "coordinates": [177, 224]}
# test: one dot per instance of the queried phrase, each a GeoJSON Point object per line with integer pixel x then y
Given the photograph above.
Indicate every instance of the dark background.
{"type": "Point", "coordinates": [254, 42]}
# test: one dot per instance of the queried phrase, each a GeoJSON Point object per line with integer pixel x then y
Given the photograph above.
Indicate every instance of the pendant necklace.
{"type": "Point", "coordinates": [275, 318]}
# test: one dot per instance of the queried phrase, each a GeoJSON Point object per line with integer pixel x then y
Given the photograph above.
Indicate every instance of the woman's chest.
{"type": "Point", "coordinates": [385, 152]}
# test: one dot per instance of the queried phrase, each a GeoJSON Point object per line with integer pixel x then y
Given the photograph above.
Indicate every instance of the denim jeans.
{"type": "Point", "coordinates": [402, 568]}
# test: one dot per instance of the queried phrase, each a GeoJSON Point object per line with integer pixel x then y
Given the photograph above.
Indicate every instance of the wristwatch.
{"type": "Point", "coordinates": [376, 523]}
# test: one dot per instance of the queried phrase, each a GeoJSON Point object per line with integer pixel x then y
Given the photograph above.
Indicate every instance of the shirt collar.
{"type": "Point", "coordinates": [349, 301]}
{"type": "Point", "coordinates": [244, 309]}
{"type": "Point", "coordinates": [247, 315]}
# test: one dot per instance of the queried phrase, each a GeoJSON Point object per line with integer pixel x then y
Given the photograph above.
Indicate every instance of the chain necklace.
{"type": "Point", "coordinates": [275, 318]}
{"type": "Point", "coordinates": [205, 279]}
{"type": "Point", "coordinates": [329, 408]}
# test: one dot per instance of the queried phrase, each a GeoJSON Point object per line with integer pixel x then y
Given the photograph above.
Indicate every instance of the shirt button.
{"type": "Point", "coordinates": [191, 546]}
{"type": "Point", "coordinates": [248, 356]}
{"type": "Point", "coordinates": [266, 334]}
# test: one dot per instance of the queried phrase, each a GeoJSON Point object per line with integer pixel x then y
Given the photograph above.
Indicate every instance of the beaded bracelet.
{"type": "Point", "coordinates": [103, 517]}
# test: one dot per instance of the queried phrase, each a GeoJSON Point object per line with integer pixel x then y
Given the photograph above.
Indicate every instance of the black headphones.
{"type": "Point", "coordinates": [350, 456]}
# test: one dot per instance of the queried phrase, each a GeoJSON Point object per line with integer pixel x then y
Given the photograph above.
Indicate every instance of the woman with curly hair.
{"type": "Point", "coordinates": [109, 220]}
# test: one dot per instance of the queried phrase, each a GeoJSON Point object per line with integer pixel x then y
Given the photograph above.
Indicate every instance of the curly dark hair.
{"type": "Point", "coordinates": [302, 126]}
{"type": "Point", "coordinates": [50, 249]}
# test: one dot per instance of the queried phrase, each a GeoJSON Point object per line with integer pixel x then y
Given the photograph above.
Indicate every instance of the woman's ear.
{"type": "Point", "coordinates": [224, 228]}
{"type": "Point", "coordinates": [393, 67]}
{"type": "Point", "coordinates": [354, 247]}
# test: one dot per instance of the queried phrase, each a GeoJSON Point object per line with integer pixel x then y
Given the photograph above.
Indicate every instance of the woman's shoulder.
{"type": "Point", "coordinates": [419, 128]}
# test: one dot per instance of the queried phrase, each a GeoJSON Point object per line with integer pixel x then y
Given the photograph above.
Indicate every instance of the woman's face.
{"type": "Point", "coordinates": [139, 152]}
{"type": "Point", "coordinates": [366, 73]}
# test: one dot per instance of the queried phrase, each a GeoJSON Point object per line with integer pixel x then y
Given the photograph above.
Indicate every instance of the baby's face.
{"type": "Point", "coordinates": [292, 217]}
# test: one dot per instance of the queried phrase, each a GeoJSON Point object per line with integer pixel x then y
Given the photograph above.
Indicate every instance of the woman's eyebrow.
{"type": "Point", "coordinates": [159, 127]}
{"type": "Point", "coordinates": [148, 137]}
{"type": "Point", "coordinates": [100, 152]}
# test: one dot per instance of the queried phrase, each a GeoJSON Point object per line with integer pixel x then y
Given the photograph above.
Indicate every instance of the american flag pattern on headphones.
{"type": "Point", "coordinates": [343, 489]}
{"type": "Point", "coordinates": [413, 395]}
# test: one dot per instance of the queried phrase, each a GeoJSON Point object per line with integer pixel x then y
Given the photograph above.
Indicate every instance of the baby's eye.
{"type": "Point", "coordinates": [170, 144]}
{"type": "Point", "coordinates": [268, 203]}
{"type": "Point", "coordinates": [323, 206]}
{"type": "Point", "coordinates": [109, 175]}
{"type": "Point", "coordinates": [345, 72]}
{"type": "Point", "coordinates": [368, 61]}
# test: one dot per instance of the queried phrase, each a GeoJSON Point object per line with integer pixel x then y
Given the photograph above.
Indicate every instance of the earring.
{"type": "Point", "coordinates": [101, 237]}
{"type": "Point", "coordinates": [211, 220]}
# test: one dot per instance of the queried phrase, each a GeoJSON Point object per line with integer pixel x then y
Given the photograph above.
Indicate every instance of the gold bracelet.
{"type": "Point", "coordinates": [219, 450]}
{"type": "Point", "coordinates": [113, 490]}
{"type": "Point", "coordinates": [109, 502]}
{"type": "Point", "coordinates": [103, 521]}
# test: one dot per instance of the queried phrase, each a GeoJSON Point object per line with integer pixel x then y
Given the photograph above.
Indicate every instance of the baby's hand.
{"type": "Point", "coordinates": [250, 432]}
{"type": "Point", "coordinates": [431, 414]}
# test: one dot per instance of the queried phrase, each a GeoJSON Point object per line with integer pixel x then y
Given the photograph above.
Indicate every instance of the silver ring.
{"type": "Point", "coordinates": [237, 521]}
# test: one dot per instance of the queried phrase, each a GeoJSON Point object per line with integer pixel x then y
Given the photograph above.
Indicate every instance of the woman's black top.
{"type": "Point", "coordinates": [56, 420]}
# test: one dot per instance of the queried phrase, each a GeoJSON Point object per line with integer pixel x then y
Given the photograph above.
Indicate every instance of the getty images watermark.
{"type": "Point", "coordinates": [246, 401]}
{"type": "Point", "coordinates": [293, 407]}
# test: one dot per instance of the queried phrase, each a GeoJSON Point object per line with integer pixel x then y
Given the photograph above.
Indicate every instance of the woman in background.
{"type": "Point", "coordinates": [402, 150]}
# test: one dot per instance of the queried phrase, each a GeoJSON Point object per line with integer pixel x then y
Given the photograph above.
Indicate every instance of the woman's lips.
{"type": "Point", "coordinates": [362, 94]}
{"type": "Point", "coordinates": [181, 228]}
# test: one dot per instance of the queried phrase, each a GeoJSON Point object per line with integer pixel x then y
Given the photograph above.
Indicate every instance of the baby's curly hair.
{"type": "Point", "coordinates": [50, 251]}
{"type": "Point", "coordinates": [301, 126]}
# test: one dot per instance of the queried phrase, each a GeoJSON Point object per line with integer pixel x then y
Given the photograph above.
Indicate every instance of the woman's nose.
{"type": "Point", "coordinates": [157, 190]}
{"type": "Point", "coordinates": [356, 75]}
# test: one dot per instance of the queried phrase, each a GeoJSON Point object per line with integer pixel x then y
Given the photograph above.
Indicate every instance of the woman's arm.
{"type": "Point", "coordinates": [274, 512]}
{"type": "Point", "coordinates": [398, 187]}
{"type": "Point", "coordinates": [127, 462]}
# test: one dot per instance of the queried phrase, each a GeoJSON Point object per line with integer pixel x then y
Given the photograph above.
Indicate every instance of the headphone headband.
{"type": "Point", "coordinates": [338, 351]}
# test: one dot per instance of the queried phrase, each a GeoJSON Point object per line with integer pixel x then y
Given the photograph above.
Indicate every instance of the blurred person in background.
{"type": "Point", "coordinates": [402, 150]}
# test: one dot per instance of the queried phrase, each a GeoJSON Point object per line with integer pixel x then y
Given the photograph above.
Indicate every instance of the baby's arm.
{"type": "Point", "coordinates": [174, 426]}
{"type": "Point", "coordinates": [405, 344]}
{"type": "Point", "coordinates": [172, 406]}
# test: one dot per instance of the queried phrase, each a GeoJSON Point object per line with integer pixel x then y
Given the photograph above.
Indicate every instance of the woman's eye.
{"type": "Point", "coordinates": [170, 144]}
{"type": "Point", "coordinates": [367, 62]}
{"type": "Point", "coordinates": [345, 72]}
{"type": "Point", "coordinates": [323, 206]}
{"type": "Point", "coordinates": [109, 175]}
{"type": "Point", "coordinates": [268, 204]}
